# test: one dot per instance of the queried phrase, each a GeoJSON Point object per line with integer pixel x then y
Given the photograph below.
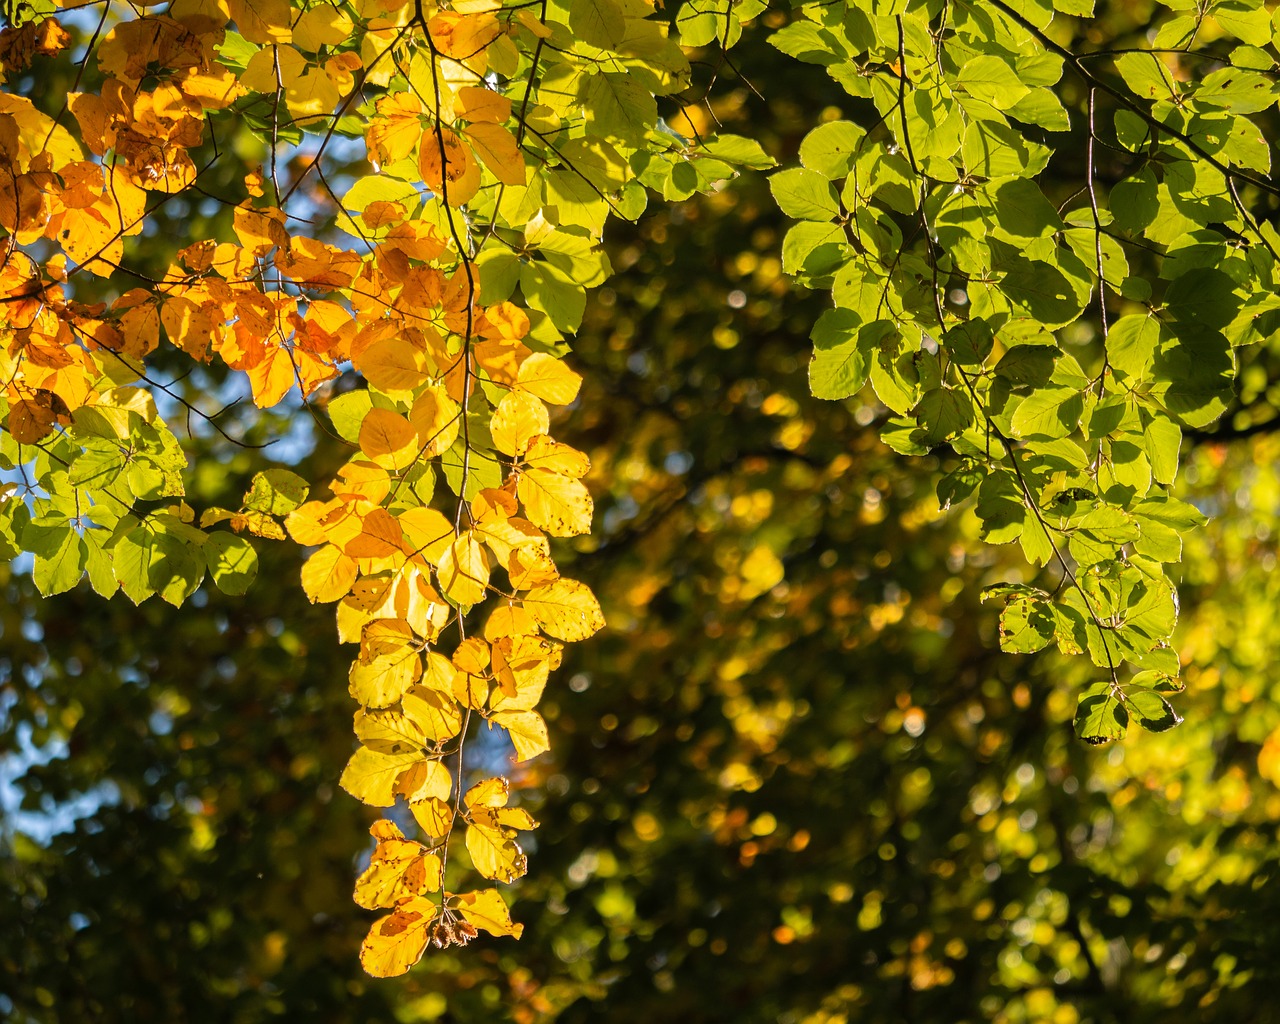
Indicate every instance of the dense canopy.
{"type": "Point", "coordinates": [763, 459]}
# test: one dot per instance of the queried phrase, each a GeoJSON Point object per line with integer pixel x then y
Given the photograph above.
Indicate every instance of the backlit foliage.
{"type": "Point", "coordinates": [421, 311]}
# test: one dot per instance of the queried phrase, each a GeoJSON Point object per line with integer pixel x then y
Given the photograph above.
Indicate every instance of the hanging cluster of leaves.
{"type": "Point", "coordinates": [500, 138]}
{"type": "Point", "coordinates": [1059, 338]}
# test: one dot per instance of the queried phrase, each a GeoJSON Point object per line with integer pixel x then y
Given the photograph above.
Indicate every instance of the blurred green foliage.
{"type": "Point", "coordinates": [794, 781]}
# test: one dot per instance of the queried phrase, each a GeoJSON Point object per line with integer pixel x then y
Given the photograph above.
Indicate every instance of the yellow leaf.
{"type": "Point", "coordinates": [427, 533]}
{"type": "Point", "coordinates": [437, 419]}
{"type": "Point", "coordinates": [396, 942]}
{"type": "Point", "coordinates": [565, 609]}
{"type": "Point", "coordinates": [322, 25]}
{"type": "Point", "coordinates": [559, 504]}
{"type": "Point", "coordinates": [509, 620]}
{"type": "Point", "coordinates": [434, 816]}
{"type": "Point", "coordinates": [426, 780]}
{"type": "Point", "coordinates": [464, 571]}
{"type": "Point", "coordinates": [519, 418]}
{"type": "Point", "coordinates": [393, 366]}
{"type": "Point", "coordinates": [370, 776]}
{"type": "Point", "coordinates": [496, 147]}
{"type": "Point", "coordinates": [531, 567]}
{"type": "Point", "coordinates": [388, 439]}
{"type": "Point", "coordinates": [546, 454]}
{"type": "Point", "coordinates": [383, 680]}
{"type": "Point", "coordinates": [549, 379]}
{"type": "Point", "coordinates": [495, 853]}
{"type": "Point", "coordinates": [486, 909]}
{"type": "Point", "coordinates": [447, 166]}
{"type": "Point", "coordinates": [328, 574]}
{"type": "Point", "coordinates": [379, 536]}
{"type": "Point", "coordinates": [432, 711]}
{"type": "Point", "coordinates": [417, 602]}
{"type": "Point", "coordinates": [474, 103]}
{"type": "Point", "coordinates": [527, 730]}
{"type": "Point", "coordinates": [262, 21]}
{"type": "Point", "coordinates": [398, 870]}
{"type": "Point", "coordinates": [394, 133]}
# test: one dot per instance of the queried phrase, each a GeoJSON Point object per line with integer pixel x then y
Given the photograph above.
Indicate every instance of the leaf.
{"type": "Point", "coordinates": [389, 439]}
{"type": "Point", "coordinates": [486, 910]}
{"type": "Point", "coordinates": [397, 871]}
{"type": "Point", "coordinates": [993, 80]}
{"type": "Point", "coordinates": [842, 353]}
{"type": "Point", "coordinates": [830, 148]}
{"type": "Point", "coordinates": [804, 194]}
{"type": "Point", "coordinates": [328, 575]}
{"type": "Point", "coordinates": [232, 561]}
{"type": "Point", "coordinates": [396, 942]}
{"type": "Point", "coordinates": [565, 609]}
{"type": "Point", "coordinates": [1151, 710]}
{"type": "Point", "coordinates": [370, 776]}
{"type": "Point", "coordinates": [549, 379]}
{"type": "Point", "coordinates": [464, 571]}
{"type": "Point", "coordinates": [1101, 715]}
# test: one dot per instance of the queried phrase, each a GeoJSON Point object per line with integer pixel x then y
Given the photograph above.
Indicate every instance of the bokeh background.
{"type": "Point", "coordinates": [794, 781]}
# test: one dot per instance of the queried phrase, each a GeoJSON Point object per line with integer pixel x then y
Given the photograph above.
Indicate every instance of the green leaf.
{"type": "Point", "coordinates": [98, 561]}
{"type": "Point", "coordinates": [131, 558]}
{"type": "Point", "coordinates": [830, 148]}
{"type": "Point", "coordinates": [232, 561]}
{"type": "Point", "coordinates": [1023, 212]}
{"type": "Point", "coordinates": [992, 80]}
{"type": "Point", "coordinates": [1135, 201]}
{"type": "Point", "coordinates": [1000, 507]}
{"type": "Point", "coordinates": [804, 194]}
{"type": "Point", "coordinates": [842, 352]}
{"type": "Point", "coordinates": [554, 292]}
{"type": "Point", "coordinates": [943, 412]}
{"type": "Point", "coordinates": [276, 492]}
{"type": "Point", "coordinates": [59, 556]}
{"type": "Point", "coordinates": [1145, 76]}
{"type": "Point", "coordinates": [810, 43]}
{"type": "Point", "coordinates": [1029, 365]}
{"type": "Point", "coordinates": [1050, 412]}
{"type": "Point", "coordinates": [598, 23]}
{"type": "Point", "coordinates": [1150, 710]}
{"type": "Point", "coordinates": [1027, 622]}
{"type": "Point", "coordinates": [1131, 346]}
{"type": "Point", "coordinates": [738, 150]}
{"type": "Point", "coordinates": [1101, 715]}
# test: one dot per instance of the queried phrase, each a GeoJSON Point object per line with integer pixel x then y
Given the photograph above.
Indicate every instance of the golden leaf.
{"type": "Point", "coordinates": [527, 730]}
{"type": "Point", "coordinates": [496, 147]}
{"type": "Point", "coordinates": [436, 418]}
{"type": "Point", "coordinates": [328, 574]}
{"type": "Point", "coordinates": [383, 680]}
{"type": "Point", "coordinates": [565, 609]}
{"type": "Point", "coordinates": [434, 712]}
{"type": "Point", "coordinates": [393, 366]}
{"type": "Point", "coordinates": [396, 942]}
{"type": "Point", "coordinates": [464, 571]}
{"type": "Point", "coordinates": [434, 816]}
{"type": "Point", "coordinates": [519, 418]}
{"type": "Point", "coordinates": [398, 870]}
{"type": "Point", "coordinates": [559, 504]}
{"type": "Point", "coordinates": [447, 166]}
{"type": "Point", "coordinates": [549, 379]}
{"type": "Point", "coordinates": [370, 776]}
{"type": "Point", "coordinates": [388, 439]}
{"type": "Point", "coordinates": [485, 909]}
